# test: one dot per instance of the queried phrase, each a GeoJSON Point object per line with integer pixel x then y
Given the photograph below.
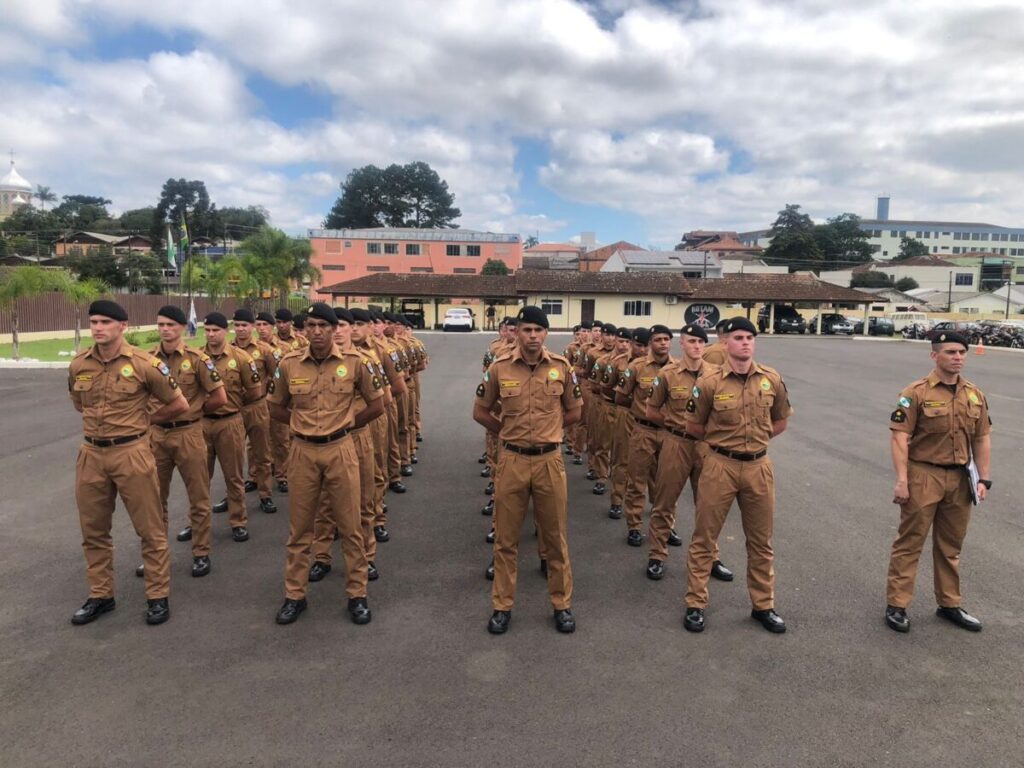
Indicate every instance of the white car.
{"type": "Point", "coordinates": [458, 319]}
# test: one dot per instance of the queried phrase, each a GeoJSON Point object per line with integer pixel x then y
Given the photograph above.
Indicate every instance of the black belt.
{"type": "Point", "coordinates": [176, 424]}
{"type": "Point", "coordinates": [646, 423]}
{"type": "Point", "coordinates": [111, 442]}
{"type": "Point", "coordinates": [531, 450]}
{"type": "Point", "coordinates": [686, 436]}
{"type": "Point", "coordinates": [322, 439]}
{"type": "Point", "coordinates": [215, 416]}
{"type": "Point", "coordinates": [959, 467]}
{"type": "Point", "coordinates": [738, 455]}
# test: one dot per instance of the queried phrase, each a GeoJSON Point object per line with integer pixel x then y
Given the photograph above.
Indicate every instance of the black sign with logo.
{"type": "Point", "coordinates": [704, 315]}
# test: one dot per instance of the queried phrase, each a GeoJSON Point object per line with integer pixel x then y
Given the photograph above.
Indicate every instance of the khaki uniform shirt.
{"type": "Point", "coordinates": [263, 355]}
{"type": "Point", "coordinates": [614, 370]}
{"type": "Point", "coordinates": [594, 366]}
{"type": "Point", "coordinates": [195, 373]}
{"type": "Point", "coordinates": [323, 395]}
{"type": "Point", "coordinates": [942, 423]}
{"type": "Point", "coordinates": [715, 354]}
{"type": "Point", "coordinates": [533, 400]}
{"type": "Point", "coordinates": [114, 396]}
{"type": "Point", "coordinates": [293, 342]}
{"type": "Point", "coordinates": [737, 415]}
{"type": "Point", "coordinates": [239, 372]}
{"type": "Point", "coordinates": [637, 382]}
{"type": "Point", "coordinates": [671, 391]}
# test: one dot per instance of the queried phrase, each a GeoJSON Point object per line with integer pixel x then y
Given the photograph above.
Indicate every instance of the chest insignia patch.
{"type": "Point", "coordinates": [766, 385]}
{"type": "Point", "coordinates": [232, 364]}
{"type": "Point", "coordinates": [186, 365]}
{"type": "Point", "coordinates": [973, 397]}
{"type": "Point", "coordinates": [553, 374]}
{"type": "Point", "coordinates": [127, 371]}
{"type": "Point", "coordinates": [341, 371]}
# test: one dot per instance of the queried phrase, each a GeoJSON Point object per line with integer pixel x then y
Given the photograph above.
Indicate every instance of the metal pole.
{"type": "Point", "coordinates": [1007, 299]}
{"type": "Point", "coordinates": [949, 301]}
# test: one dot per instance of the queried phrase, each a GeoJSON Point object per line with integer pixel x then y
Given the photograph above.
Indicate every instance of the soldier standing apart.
{"type": "Point", "coordinates": [539, 397]}
{"type": "Point", "coordinates": [736, 408]}
{"type": "Point", "coordinates": [224, 429]}
{"type": "Point", "coordinates": [680, 455]}
{"type": "Point", "coordinates": [315, 392]}
{"type": "Point", "coordinates": [256, 415]}
{"type": "Point", "coordinates": [940, 423]}
{"type": "Point", "coordinates": [279, 438]}
{"type": "Point", "coordinates": [111, 384]}
{"type": "Point", "coordinates": [180, 443]}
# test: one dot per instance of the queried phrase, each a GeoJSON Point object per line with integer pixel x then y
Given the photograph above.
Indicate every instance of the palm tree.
{"type": "Point", "coordinates": [228, 277]}
{"type": "Point", "coordinates": [22, 283]}
{"type": "Point", "coordinates": [79, 292]}
{"type": "Point", "coordinates": [276, 261]}
{"type": "Point", "coordinates": [44, 195]}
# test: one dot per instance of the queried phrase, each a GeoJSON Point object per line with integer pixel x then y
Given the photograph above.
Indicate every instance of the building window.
{"type": "Point", "coordinates": [903, 233]}
{"type": "Point", "coordinates": [956, 235]}
{"type": "Point", "coordinates": [472, 250]}
{"type": "Point", "coordinates": [1013, 238]}
{"type": "Point", "coordinates": [464, 270]}
{"type": "Point", "coordinates": [373, 247]}
{"type": "Point", "coordinates": [412, 249]}
{"type": "Point", "coordinates": [422, 270]}
{"type": "Point", "coordinates": [551, 306]}
{"type": "Point", "coordinates": [956, 249]}
{"type": "Point", "coordinates": [918, 234]}
{"type": "Point", "coordinates": [348, 243]}
{"type": "Point", "coordinates": [1020, 270]}
{"type": "Point", "coordinates": [391, 249]}
{"type": "Point", "coordinates": [636, 308]}
{"type": "Point", "coordinates": [453, 250]}
{"type": "Point", "coordinates": [892, 233]}
{"type": "Point", "coordinates": [935, 249]}
{"type": "Point", "coordinates": [334, 267]}
{"type": "Point", "coordinates": [927, 235]}
{"type": "Point", "coordinates": [378, 269]}
{"type": "Point", "coordinates": [332, 246]}
{"type": "Point", "coordinates": [885, 253]}
{"type": "Point", "coordinates": [984, 235]}
{"type": "Point", "coordinates": [964, 278]}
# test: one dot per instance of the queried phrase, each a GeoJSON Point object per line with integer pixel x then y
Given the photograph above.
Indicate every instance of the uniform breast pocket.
{"type": "Point", "coordinates": [727, 412]}
{"type": "Point", "coordinates": [301, 394]}
{"type": "Point", "coordinates": [934, 419]}
{"type": "Point", "coordinates": [969, 418]}
{"type": "Point", "coordinates": [512, 400]}
{"type": "Point", "coordinates": [765, 401]}
{"type": "Point", "coordinates": [552, 396]}
{"type": "Point", "coordinates": [186, 378]}
{"type": "Point", "coordinates": [344, 386]}
{"type": "Point", "coordinates": [680, 395]}
{"type": "Point", "coordinates": [126, 385]}
{"type": "Point", "coordinates": [85, 391]}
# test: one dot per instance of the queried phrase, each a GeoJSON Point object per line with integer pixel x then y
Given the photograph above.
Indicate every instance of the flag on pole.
{"type": "Point", "coordinates": [183, 232]}
{"type": "Point", "coordinates": [170, 250]}
{"type": "Point", "coordinates": [193, 322]}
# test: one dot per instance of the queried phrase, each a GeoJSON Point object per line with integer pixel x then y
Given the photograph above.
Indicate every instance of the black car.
{"type": "Point", "coordinates": [831, 324]}
{"type": "Point", "coordinates": [877, 326]}
{"type": "Point", "coordinates": [787, 319]}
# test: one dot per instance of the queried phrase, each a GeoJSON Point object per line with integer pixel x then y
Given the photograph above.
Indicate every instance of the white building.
{"type": "Point", "coordinates": [993, 303]}
{"type": "Point", "coordinates": [686, 263]}
{"type": "Point", "coordinates": [15, 192]}
{"type": "Point", "coordinates": [929, 272]}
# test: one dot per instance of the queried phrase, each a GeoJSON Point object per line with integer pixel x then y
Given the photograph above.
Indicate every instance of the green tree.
{"type": "Point", "coordinates": [275, 261]}
{"type": "Point", "coordinates": [906, 284]}
{"type": "Point", "coordinates": [41, 227]}
{"type": "Point", "coordinates": [228, 277]}
{"type": "Point", "coordinates": [239, 223]}
{"type": "Point", "coordinates": [530, 242]}
{"type": "Point", "coordinates": [194, 272]}
{"type": "Point", "coordinates": [22, 283]}
{"type": "Point", "coordinates": [84, 212]}
{"type": "Point", "coordinates": [97, 264]}
{"type": "Point", "coordinates": [411, 195]}
{"type": "Point", "coordinates": [842, 242]}
{"type": "Point", "coordinates": [78, 293]}
{"type": "Point", "coordinates": [142, 272]}
{"type": "Point", "coordinates": [870, 279]}
{"type": "Point", "coordinates": [181, 200]}
{"type": "Point", "coordinates": [137, 220]}
{"type": "Point", "coordinates": [494, 267]}
{"type": "Point", "coordinates": [44, 195]}
{"type": "Point", "coordinates": [910, 248]}
{"type": "Point", "coordinates": [793, 243]}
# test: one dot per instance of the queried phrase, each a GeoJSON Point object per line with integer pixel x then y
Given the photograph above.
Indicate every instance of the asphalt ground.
{"type": "Point", "coordinates": [425, 685]}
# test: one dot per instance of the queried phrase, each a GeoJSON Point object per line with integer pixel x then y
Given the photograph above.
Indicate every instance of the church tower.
{"type": "Point", "coordinates": [15, 192]}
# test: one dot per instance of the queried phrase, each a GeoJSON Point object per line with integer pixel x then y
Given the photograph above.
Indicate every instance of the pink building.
{"type": "Point", "coordinates": [345, 254]}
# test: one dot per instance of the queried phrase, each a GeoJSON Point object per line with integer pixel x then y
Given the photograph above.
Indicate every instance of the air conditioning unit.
{"type": "Point", "coordinates": [671, 299]}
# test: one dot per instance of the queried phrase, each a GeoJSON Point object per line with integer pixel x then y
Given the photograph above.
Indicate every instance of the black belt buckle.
{"type": "Point", "coordinates": [176, 424]}
{"type": "Point", "coordinates": [684, 435]}
{"type": "Point", "coordinates": [531, 450]}
{"type": "Point", "coordinates": [647, 423]}
{"type": "Point", "coordinates": [323, 439]}
{"type": "Point", "coordinates": [217, 416]}
{"type": "Point", "coordinates": [111, 442]}
{"type": "Point", "coordinates": [738, 455]}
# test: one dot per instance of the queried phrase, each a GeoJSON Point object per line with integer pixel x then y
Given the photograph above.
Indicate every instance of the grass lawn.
{"type": "Point", "coordinates": [48, 349]}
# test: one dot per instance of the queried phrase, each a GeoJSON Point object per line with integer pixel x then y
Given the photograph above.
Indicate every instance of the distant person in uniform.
{"type": "Point", "coordinates": [489, 314]}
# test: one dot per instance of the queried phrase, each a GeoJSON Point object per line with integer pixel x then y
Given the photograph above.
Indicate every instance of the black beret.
{"type": "Point", "coordinates": [721, 323]}
{"type": "Point", "coordinates": [266, 317]}
{"type": "Point", "coordinates": [360, 315]}
{"type": "Point", "coordinates": [322, 311]}
{"type": "Point", "coordinates": [110, 309]}
{"type": "Point", "coordinates": [663, 329]}
{"type": "Point", "coordinates": [623, 333]}
{"type": "Point", "coordinates": [608, 329]}
{"type": "Point", "coordinates": [576, 327]}
{"type": "Point", "coordinates": [377, 316]}
{"type": "Point", "coordinates": [388, 316]}
{"type": "Point", "coordinates": [534, 315]}
{"type": "Point", "coordinates": [951, 337]}
{"type": "Point", "coordinates": [299, 320]}
{"type": "Point", "coordinates": [740, 324]}
{"type": "Point", "coordinates": [171, 312]}
{"type": "Point", "coordinates": [513, 321]}
{"type": "Point", "coordinates": [244, 315]}
{"type": "Point", "coordinates": [343, 314]}
{"type": "Point", "coordinates": [405, 321]}
{"type": "Point", "coordinates": [586, 325]}
{"type": "Point", "coordinates": [694, 330]}
{"type": "Point", "coordinates": [217, 319]}
{"type": "Point", "coordinates": [284, 315]}
{"type": "Point", "coordinates": [598, 324]}
{"type": "Point", "coordinates": [642, 336]}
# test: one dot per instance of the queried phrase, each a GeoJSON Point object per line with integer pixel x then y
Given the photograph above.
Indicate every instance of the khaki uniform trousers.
{"type": "Point", "coordinates": [621, 429]}
{"type": "Point", "coordinates": [101, 474]}
{"type": "Point", "coordinates": [280, 442]}
{"type": "Point", "coordinates": [520, 479]}
{"type": "Point", "coordinates": [324, 526]}
{"type": "Point", "coordinates": [379, 434]}
{"type": "Point", "coordinates": [752, 485]}
{"type": "Point", "coordinates": [680, 459]}
{"type": "Point", "coordinates": [599, 436]}
{"type": "Point", "coordinates": [256, 418]}
{"type": "Point", "coordinates": [416, 410]}
{"type": "Point", "coordinates": [394, 452]}
{"type": "Point", "coordinates": [579, 434]}
{"type": "Point", "coordinates": [185, 448]}
{"type": "Point", "coordinates": [641, 470]}
{"type": "Point", "coordinates": [404, 401]}
{"type": "Point", "coordinates": [410, 417]}
{"type": "Point", "coordinates": [333, 469]}
{"type": "Point", "coordinates": [940, 498]}
{"type": "Point", "coordinates": [491, 445]}
{"type": "Point", "coordinates": [225, 443]}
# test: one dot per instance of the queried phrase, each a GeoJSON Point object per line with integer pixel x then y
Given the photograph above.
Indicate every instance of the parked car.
{"type": "Point", "coordinates": [458, 319]}
{"type": "Point", "coordinates": [830, 324]}
{"type": "Point", "coordinates": [787, 319]}
{"type": "Point", "coordinates": [877, 326]}
{"type": "Point", "coordinates": [412, 310]}
{"type": "Point", "coordinates": [901, 320]}
{"type": "Point", "coordinates": [972, 331]}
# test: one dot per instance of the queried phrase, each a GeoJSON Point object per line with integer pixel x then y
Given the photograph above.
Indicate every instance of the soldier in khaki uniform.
{"type": "Point", "coordinates": [736, 408]}
{"type": "Point", "coordinates": [507, 346]}
{"type": "Point", "coordinates": [316, 392]}
{"type": "Point", "coordinates": [572, 437]}
{"type": "Point", "coordinates": [599, 419]}
{"type": "Point", "coordinates": [940, 423]}
{"type": "Point", "coordinates": [111, 385]}
{"type": "Point", "coordinates": [256, 415]}
{"type": "Point", "coordinates": [715, 353]}
{"type": "Point", "coordinates": [391, 350]}
{"type": "Point", "coordinates": [679, 456]}
{"type": "Point", "coordinates": [180, 443]}
{"type": "Point", "coordinates": [280, 440]}
{"type": "Point", "coordinates": [539, 396]}
{"type": "Point", "coordinates": [223, 429]}
{"type": "Point", "coordinates": [288, 336]}
{"type": "Point", "coordinates": [578, 360]}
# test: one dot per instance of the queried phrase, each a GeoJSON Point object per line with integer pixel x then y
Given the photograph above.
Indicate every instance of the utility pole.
{"type": "Point", "coordinates": [949, 301]}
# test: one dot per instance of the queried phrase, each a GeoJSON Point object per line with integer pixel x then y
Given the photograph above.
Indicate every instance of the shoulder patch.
{"type": "Point", "coordinates": [904, 402]}
{"type": "Point", "coordinates": [898, 416]}
{"type": "Point", "coordinates": [480, 390]}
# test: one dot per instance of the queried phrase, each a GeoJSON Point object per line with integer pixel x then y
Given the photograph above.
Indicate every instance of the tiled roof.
{"type": "Point", "coordinates": [672, 259]}
{"type": "Point", "coordinates": [602, 282]}
{"type": "Point", "coordinates": [554, 247]}
{"type": "Point", "coordinates": [602, 253]}
{"type": "Point", "coordinates": [916, 261]}
{"type": "Point", "coordinates": [774, 288]}
{"type": "Point", "coordinates": [452, 286]}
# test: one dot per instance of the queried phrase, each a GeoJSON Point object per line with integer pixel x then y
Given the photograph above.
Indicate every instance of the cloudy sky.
{"type": "Point", "coordinates": [638, 120]}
